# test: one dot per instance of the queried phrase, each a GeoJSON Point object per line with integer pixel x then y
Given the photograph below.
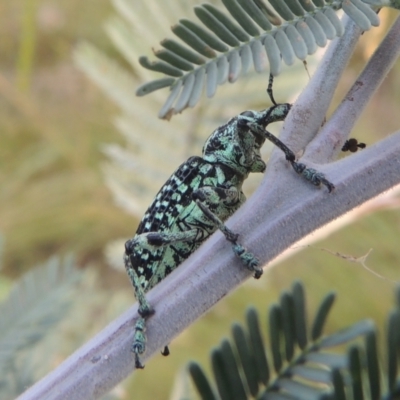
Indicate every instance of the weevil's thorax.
{"type": "Point", "coordinates": [235, 146]}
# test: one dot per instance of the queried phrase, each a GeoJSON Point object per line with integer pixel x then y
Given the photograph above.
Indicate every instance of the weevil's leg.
{"type": "Point", "coordinates": [148, 240]}
{"type": "Point", "coordinates": [269, 89]}
{"type": "Point", "coordinates": [139, 341]}
{"type": "Point", "coordinates": [145, 311]}
{"type": "Point", "coordinates": [249, 260]}
{"type": "Point", "coordinates": [214, 195]}
{"type": "Point", "coordinates": [151, 240]}
{"type": "Point", "coordinates": [310, 174]}
{"type": "Point", "coordinates": [259, 130]}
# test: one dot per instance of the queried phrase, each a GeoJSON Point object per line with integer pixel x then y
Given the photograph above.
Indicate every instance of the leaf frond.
{"type": "Point", "coordinates": [304, 369]}
{"type": "Point", "coordinates": [38, 301]}
{"type": "Point", "coordinates": [222, 47]}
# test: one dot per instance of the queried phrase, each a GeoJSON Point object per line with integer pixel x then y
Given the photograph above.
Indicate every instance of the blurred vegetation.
{"type": "Point", "coordinates": [37, 303]}
{"type": "Point", "coordinates": [53, 199]}
{"type": "Point", "coordinates": [52, 122]}
{"type": "Point", "coordinates": [283, 365]}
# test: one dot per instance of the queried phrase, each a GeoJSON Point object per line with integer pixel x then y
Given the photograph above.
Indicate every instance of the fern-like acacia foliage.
{"type": "Point", "coordinates": [39, 300]}
{"type": "Point", "coordinates": [222, 48]}
{"type": "Point", "coordinates": [304, 367]}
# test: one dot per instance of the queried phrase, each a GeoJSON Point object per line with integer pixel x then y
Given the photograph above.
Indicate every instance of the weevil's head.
{"type": "Point", "coordinates": [238, 146]}
{"type": "Point", "coordinates": [235, 147]}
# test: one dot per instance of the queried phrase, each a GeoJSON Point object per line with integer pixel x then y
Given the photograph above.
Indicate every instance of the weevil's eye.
{"type": "Point", "coordinates": [248, 114]}
{"type": "Point", "coordinates": [248, 117]}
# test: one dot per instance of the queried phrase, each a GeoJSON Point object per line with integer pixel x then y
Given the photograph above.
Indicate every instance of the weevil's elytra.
{"type": "Point", "coordinates": [196, 200]}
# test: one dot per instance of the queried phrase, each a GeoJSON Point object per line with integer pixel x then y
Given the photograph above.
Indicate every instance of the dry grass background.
{"type": "Point", "coordinates": [53, 199]}
{"type": "Point", "coordinates": [52, 121]}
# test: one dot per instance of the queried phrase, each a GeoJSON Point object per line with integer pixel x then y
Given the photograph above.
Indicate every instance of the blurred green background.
{"type": "Point", "coordinates": [53, 199]}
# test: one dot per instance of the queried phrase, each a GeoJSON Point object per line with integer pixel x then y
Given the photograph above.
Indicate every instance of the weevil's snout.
{"type": "Point", "coordinates": [265, 117]}
{"type": "Point", "coordinates": [274, 114]}
{"type": "Point", "coordinates": [280, 112]}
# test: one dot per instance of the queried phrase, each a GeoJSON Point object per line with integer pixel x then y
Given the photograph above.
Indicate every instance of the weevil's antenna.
{"type": "Point", "coordinates": [269, 89]}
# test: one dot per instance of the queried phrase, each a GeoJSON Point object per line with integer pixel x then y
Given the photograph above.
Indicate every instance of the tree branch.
{"type": "Point", "coordinates": [356, 99]}
{"type": "Point", "coordinates": [309, 111]}
{"type": "Point", "coordinates": [283, 210]}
